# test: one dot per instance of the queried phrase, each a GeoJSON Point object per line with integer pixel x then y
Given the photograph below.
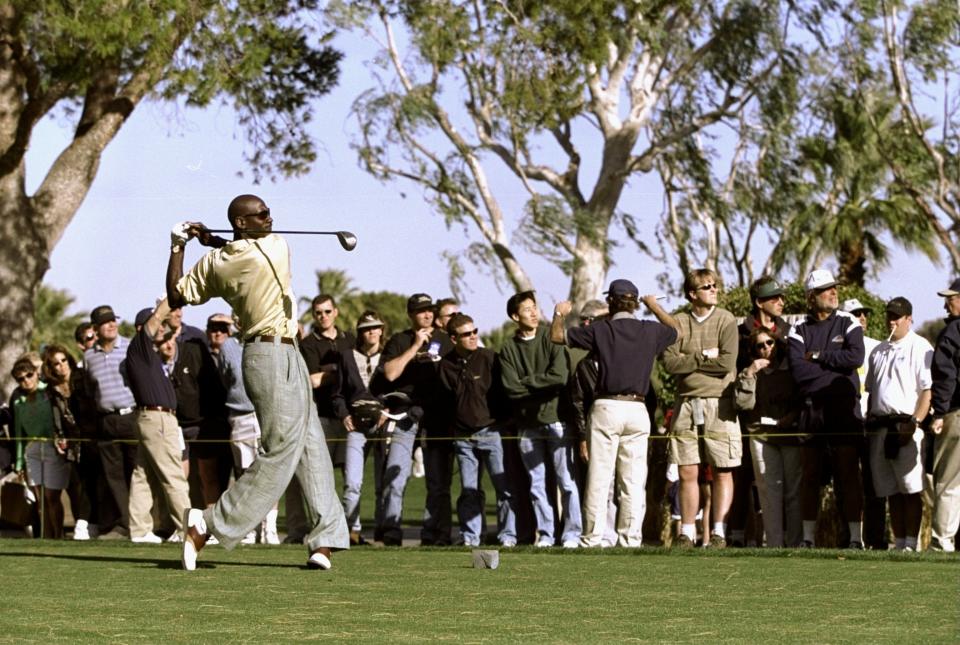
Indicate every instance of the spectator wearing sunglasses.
{"type": "Point", "coordinates": [768, 301]}
{"type": "Point", "coordinates": [40, 443]}
{"type": "Point", "coordinates": [705, 426]}
{"type": "Point", "coordinates": [470, 376]}
{"type": "Point", "coordinates": [768, 398]}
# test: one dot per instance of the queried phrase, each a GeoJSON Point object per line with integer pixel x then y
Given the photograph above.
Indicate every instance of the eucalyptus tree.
{"type": "Point", "coordinates": [914, 48]}
{"type": "Point", "coordinates": [91, 63]}
{"type": "Point", "coordinates": [478, 101]}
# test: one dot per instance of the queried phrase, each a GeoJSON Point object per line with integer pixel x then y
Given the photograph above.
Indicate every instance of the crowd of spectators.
{"type": "Point", "coordinates": [562, 420]}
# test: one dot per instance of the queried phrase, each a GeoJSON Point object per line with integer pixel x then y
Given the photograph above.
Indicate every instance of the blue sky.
{"type": "Point", "coordinates": [168, 165]}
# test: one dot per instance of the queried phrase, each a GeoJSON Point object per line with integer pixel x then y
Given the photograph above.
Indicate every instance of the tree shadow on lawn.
{"type": "Point", "coordinates": [160, 564]}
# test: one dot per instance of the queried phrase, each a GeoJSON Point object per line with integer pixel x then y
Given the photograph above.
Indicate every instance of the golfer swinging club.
{"type": "Point", "coordinates": [252, 273]}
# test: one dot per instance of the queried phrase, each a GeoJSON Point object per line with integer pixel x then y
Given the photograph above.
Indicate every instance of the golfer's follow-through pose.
{"type": "Point", "coordinates": [252, 273]}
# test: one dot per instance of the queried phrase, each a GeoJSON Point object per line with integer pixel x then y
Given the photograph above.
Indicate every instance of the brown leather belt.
{"type": "Point", "coordinates": [269, 339]}
{"type": "Point", "coordinates": [157, 408]}
{"type": "Point", "coordinates": [621, 397]}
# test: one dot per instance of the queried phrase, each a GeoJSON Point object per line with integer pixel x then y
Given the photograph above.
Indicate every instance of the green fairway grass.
{"type": "Point", "coordinates": [126, 593]}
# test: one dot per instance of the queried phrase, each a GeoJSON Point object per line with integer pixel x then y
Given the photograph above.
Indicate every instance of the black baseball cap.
{"type": "Point", "coordinates": [621, 287]}
{"type": "Point", "coordinates": [900, 307]}
{"type": "Point", "coordinates": [143, 316]}
{"type": "Point", "coordinates": [952, 290]}
{"type": "Point", "coordinates": [419, 302]}
{"type": "Point", "coordinates": [102, 314]}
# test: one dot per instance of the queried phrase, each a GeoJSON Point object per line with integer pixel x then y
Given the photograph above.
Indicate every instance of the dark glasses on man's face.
{"type": "Point", "coordinates": [468, 334]}
{"type": "Point", "coordinates": [24, 377]}
{"type": "Point", "coordinates": [707, 287]}
{"type": "Point", "coordinates": [765, 343]}
{"type": "Point", "coordinates": [322, 312]}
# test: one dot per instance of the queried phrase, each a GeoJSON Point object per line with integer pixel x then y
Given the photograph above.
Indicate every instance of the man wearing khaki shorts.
{"type": "Point", "coordinates": [705, 424]}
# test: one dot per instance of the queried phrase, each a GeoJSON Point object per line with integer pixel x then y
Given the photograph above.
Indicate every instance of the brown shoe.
{"type": "Point", "coordinates": [682, 542]}
{"type": "Point", "coordinates": [356, 539]}
{"type": "Point", "coordinates": [319, 559]}
{"type": "Point", "coordinates": [717, 542]}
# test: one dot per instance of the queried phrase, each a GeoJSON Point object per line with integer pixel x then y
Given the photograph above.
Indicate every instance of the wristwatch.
{"type": "Point", "coordinates": [175, 248]}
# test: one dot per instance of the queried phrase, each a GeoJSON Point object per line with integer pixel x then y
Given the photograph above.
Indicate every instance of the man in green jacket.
{"type": "Point", "coordinates": [535, 372]}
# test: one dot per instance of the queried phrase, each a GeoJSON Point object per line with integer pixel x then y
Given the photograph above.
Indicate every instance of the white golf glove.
{"type": "Point", "coordinates": [180, 234]}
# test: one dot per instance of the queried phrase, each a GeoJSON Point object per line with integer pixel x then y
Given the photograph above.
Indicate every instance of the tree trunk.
{"type": "Point", "coordinates": [852, 261]}
{"type": "Point", "coordinates": [24, 260]}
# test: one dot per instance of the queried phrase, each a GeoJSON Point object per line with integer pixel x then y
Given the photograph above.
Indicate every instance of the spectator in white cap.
{"type": "Point", "coordinates": [825, 350]}
{"type": "Point", "coordinates": [366, 355]}
{"type": "Point", "coordinates": [898, 382]}
{"type": "Point", "coordinates": [946, 426]}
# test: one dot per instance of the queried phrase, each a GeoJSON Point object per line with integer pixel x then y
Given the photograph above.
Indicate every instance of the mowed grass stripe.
{"type": "Point", "coordinates": [120, 592]}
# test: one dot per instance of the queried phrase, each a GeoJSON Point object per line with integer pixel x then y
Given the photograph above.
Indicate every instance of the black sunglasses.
{"type": "Point", "coordinates": [468, 334]}
{"type": "Point", "coordinates": [766, 343]}
{"type": "Point", "coordinates": [707, 287]}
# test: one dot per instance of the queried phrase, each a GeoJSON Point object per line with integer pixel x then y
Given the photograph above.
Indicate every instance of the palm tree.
{"type": "Point", "coordinates": [52, 324]}
{"type": "Point", "coordinates": [850, 202]}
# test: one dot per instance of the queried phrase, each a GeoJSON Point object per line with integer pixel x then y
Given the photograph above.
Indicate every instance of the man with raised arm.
{"type": "Point", "coordinates": [252, 273]}
{"type": "Point", "coordinates": [625, 349]}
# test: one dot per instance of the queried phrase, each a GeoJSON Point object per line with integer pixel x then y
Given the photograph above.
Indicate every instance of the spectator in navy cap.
{"type": "Point", "coordinates": [625, 349]}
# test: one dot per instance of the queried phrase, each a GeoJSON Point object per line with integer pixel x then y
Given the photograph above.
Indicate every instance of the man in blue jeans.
{"type": "Point", "coordinates": [409, 365]}
{"type": "Point", "coordinates": [471, 376]}
{"type": "Point", "coordinates": [534, 372]}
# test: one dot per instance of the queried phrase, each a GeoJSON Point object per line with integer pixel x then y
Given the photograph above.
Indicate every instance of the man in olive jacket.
{"type": "Point", "coordinates": [534, 372]}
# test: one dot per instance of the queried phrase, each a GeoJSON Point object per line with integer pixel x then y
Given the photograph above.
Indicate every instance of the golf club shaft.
{"type": "Point", "coordinates": [220, 230]}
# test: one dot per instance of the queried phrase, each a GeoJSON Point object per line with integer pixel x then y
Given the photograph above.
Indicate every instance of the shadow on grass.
{"type": "Point", "coordinates": [160, 564]}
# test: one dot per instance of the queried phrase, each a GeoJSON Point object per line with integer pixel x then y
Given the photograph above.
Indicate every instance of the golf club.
{"type": "Point", "coordinates": [347, 239]}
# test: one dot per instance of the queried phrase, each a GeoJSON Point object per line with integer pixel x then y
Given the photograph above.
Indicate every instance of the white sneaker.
{"type": "Point", "coordinates": [212, 540]}
{"type": "Point", "coordinates": [175, 538]}
{"type": "Point", "coordinates": [544, 543]}
{"type": "Point", "coordinates": [270, 537]}
{"type": "Point", "coordinates": [509, 543]}
{"type": "Point", "coordinates": [147, 538]}
{"type": "Point", "coordinates": [192, 518]}
{"type": "Point", "coordinates": [81, 531]}
{"type": "Point", "coordinates": [318, 560]}
{"type": "Point", "coordinates": [249, 538]}
{"type": "Point", "coordinates": [571, 544]}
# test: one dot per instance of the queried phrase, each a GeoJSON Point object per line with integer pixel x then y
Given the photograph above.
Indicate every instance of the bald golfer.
{"type": "Point", "coordinates": [252, 273]}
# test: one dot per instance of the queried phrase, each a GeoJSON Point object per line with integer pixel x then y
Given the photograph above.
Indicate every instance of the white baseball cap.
{"type": "Point", "coordinates": [820, 279]}
{"type": "Point", "coordinates": [853, 305]}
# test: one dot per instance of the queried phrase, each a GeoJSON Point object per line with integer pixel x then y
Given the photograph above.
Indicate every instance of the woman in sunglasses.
{"type": "Point", "coordinates": [767, 394]}
{"type": "Point", "coordinates": [63, 387]}
{"type": "Point", "coordinates": [40, 447]}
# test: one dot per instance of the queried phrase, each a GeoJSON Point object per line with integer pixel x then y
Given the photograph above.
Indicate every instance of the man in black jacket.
{"type": "Point", "coordinates": [825, 351]}
{"type": "Point", "coordinates": [946, 425]}
{"type": "Point", "coordinates": [471, 376]}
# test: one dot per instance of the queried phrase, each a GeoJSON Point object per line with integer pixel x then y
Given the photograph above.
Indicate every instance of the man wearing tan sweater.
{"type": "Point", "coordinates": [705, 424]}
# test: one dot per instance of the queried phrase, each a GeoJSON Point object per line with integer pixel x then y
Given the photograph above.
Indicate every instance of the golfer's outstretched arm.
{"type": "Point", "coordinates": [174, 273]}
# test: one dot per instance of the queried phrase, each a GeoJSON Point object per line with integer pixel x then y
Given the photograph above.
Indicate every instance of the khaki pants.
{"type": "Point", "coordinates": [946, 480]}
{"type": "Point", "coordinates": [158, 471]}
{"type": "Point", "coordinates": [619, 431]}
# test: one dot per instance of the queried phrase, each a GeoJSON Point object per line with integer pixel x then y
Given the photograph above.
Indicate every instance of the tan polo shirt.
{"type": "Point", "coordinates": [253, 276]}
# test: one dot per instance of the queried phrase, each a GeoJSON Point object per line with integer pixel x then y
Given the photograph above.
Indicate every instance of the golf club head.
{"type": "Point", "coordinates": [347, 240]}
